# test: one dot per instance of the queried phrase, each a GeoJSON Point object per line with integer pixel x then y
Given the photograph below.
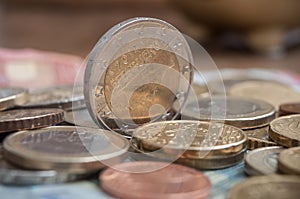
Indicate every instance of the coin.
{"type": "Point", "coordinates": [286, 130]}
{"type": "Point", "coordinates": [259, 137]}
{"type": "Point", "coordinates": [262, 161]}
{"type": "Point", "coordinates": [73, 149]}
{"type": "Point", "coordinates": [10, 174]}
{"type": "Point", "coordinates": [271, 92]}
{"type": "Point", "coordinates": [236, 111]}
{"type": "Point", "coordinates": [288, 109]}
{"type": "Point", "coordinates": [22, 119]}
{"type": "Point", "coordinates": [10, 97]}
{"type": "Point", "coordinates": [80, 117]}
{"type": "Point", "coordinates": [273, 186]}
{"type": "Point", "coordinates": [289, 161]}
{"type": "Point", "coordinates": [65, 97]}
{"type": "Point", "coordinates": [172, 181]}
{"type": "Point", "coordinates": [137, 70]}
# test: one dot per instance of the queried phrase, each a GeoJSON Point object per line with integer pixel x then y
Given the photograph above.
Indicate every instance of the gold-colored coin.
{"type": "Point", "coordinates": [286, 130]}
{"type": "Point", "coordinates": [273, 186]}
{"type": "Point", "coordinates": [274, 93]}
{"type": "Point", "coordinates": [289, 161]}
{"type": "Point", "coordinates": [259, 137]}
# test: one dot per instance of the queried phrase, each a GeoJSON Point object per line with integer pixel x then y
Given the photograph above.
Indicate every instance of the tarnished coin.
{"type": "Point", "coordinates": [65, 97]}
{"type": "Point", "coordinates": [271, 92]}
{"type": "Point", "coordinates": [10, 97]}
{"type": "Point", "coordinates": [80, 117]}
{"type": "Point", "coordinates": [262, 161]}
{"type": "Point", "coordinates": [23, 119]}
{"type": "Point", "coordinates": [73, 149]}
{"type": "Point", "coordinates": [259, 137]}
{"type": "Point", "coordinates": [289, 161]}
{"type": "Point", "coordinates": [137, 69]}
{"type": "Point", "coordinates": [11, 174]}
{"type": "Point", "coordinates": [172, 181]}
{"type": "Point", "coordinates": [273, 186]}
{"type": "Point", "coordinates": [289, 109]}
{"type": "Point", "coordinates": [286, 130]}
{"type": "Point", "coordinates": [236, 111]}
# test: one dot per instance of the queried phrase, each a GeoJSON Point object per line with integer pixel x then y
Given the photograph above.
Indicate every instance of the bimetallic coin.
{"type": "Point", "coordinates": [271, 92]}
{"type": "Point", "coordinates": [289, 109]}
{"type": "Point", "coordinates": [236, 111]}
{"type": "Point", "coordinates": [65, 97]}
{"type": "Point", "coordinates": [262, 161]}
{"type": "Point", "coordinates": [137, 70]}
{"type": "Point", "coordinates": [10, 97]}
{"type": "Point", "coordinates": [273, 186]}
{"type": "Point", "coordinates": [22, 119]}
{"type": "Point", "coordinates": [259, 137]}
{"type": "Point", "coordinates": [286, 130]}
{"type": "Point", "coordinates": [73, 149]}
{"type": "Point", "coordinates": [289, 161]}
{"type": "Point", "coordinates": [172, 181]}
{"type": "Point", "coordinates": [10, 174]}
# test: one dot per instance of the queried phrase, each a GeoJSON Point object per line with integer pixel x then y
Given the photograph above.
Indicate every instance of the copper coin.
{"type": "Point", "coordinates": [288, 109]}
{"type": "Point", "coordinates": [172, 181]}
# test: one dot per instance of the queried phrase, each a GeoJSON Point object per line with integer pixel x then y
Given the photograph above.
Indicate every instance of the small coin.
{"type": "Point", "coordinates": [73, 149]}
{"type": "Point", "coordinates": [65, 97]}
{"type": "Point", "coordinates": [259, 137]}
{"type": "Point", "coordinates": [22, 119]}
{"type": "Point", "coordinates": [288, 109]}
{"type": "Point", "coordinates": [273, 186]}
{"type": "Point", "coordinates": [236, 111]}
{"type": "Point", "coordinates": [286, 130]}
{"type": "Point", "coordinates": [172, 181]}
{"type": "Point", "coordinates": [262, 161]}
{"type": "Point", "coordinates": [10, 174]}
{"type": "Point", "coordinates": [289, 161]}
{"type": "Point", "coordinates": [274, 93]}
{"type": "Point", "coordinates": [10, 97]}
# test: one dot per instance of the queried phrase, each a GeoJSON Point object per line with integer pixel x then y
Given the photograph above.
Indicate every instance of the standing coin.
{"type": "Point", "coordinates": [288, 109]}
{"type": "Point", "coordinates": [22, 119]}
{"type": "Point", "coordinates": [289, 161]}
{"type": "Point", "coordinates": [262, 161]}
{"type": "Point", "coordinates": [259, 137]}
{"type": "Point", "coordinates": [64, 97]}
{"type": "Point", "coordinates": [271, 92]}
{"type": "Point", "coordinates": [72, 149]}
{"type": "Point", "coordinates": [273, 186]}
{"type": "Point", "coordinates": [133, 180]}
{"type": "Point", "coordinates": [286, 130]}
{"type": "Point", "coordinates": [10, 97]}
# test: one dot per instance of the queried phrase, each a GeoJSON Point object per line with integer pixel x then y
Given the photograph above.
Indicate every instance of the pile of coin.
{"type": "Point", "coordinates": [139, 113]}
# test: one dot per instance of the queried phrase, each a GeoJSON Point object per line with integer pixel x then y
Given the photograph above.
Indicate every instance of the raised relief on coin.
{"type": "Point", "coordinates": [259, 137]}
{"type": "Point", "coordinates": [262, 161]}
{"type": "Point", "coordinates": [10, 97]}
{"type": "Point", "coordinates": [22, 119]}
{"type": "Point", "coordinates": [286, 130]}
{"type": "Point", "coordinates": [289, 161]}
{"type": "Point", "coordinates": [237, 111]}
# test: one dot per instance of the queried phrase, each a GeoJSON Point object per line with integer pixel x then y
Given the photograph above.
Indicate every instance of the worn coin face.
{"type": "Point", "coordinates": [137, 70]}
{"type": "Point", "coordinates": [271, 92]}
{"type": "Point", "coordinates": [22, 119]}
{"type": "Point", "coordinates": [172, 181]}
{"type": "Point", "coordinates": [262, 161]}
{"type": "Point", "coordinates": [273, 186]}
{"type": "Point", "coordinates": [10, 97]}
{"type": "Point", "coordinates": [288, 109]}
{"type": "Point", "coordinates": [64, 97]}
{"type": "Point", "coordinates": [75, 149]}
{"type": "Point", "coordinates": [259, 137]}
{"type": "Point", "coordinates": [289, 161]}
{"type": "Point", "coordinates": [286, 130]}
{"type": "Point", "coordinates": [237, 111]}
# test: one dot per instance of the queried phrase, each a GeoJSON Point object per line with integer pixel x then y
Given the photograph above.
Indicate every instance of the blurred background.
{"type": "Point", "coordinates": [238, 34]}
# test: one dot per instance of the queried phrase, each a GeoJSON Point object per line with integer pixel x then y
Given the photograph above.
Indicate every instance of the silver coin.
{"type": "Point", "coordinates": [11, 174]}
{"type": "Point", "coordinates": [10, 97]}
{"type": "Point", "coordinates": [262, 161]}
{"type": "Point", "coordinates": [64, 97]}
{"type": "Point", "coordinates": [75, 149]}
